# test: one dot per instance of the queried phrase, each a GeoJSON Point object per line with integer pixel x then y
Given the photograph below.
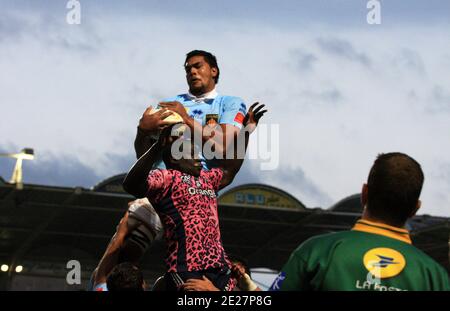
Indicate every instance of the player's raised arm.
{"type": "Point", "coordinates": [149, 124]}
{"type": "Point", "coordinates": [251, 120]}
{"type": "Point", "coordinates": [135, 183]}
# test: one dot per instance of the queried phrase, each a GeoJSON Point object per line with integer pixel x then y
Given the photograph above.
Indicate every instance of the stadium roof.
{"type": "Point", "coordinates": [43, 227]}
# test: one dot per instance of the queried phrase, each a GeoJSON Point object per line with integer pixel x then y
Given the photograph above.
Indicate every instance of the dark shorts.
{"type": "Point", "coordinates": [221, 278]}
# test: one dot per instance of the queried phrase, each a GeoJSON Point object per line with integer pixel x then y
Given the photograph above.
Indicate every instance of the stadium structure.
{"type": "Point", "coordinates": [43, 228]}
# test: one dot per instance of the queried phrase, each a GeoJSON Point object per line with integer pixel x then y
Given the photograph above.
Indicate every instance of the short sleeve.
{"type": "Point", "coordinates": [233, 111]}
{"type": "Point", "coordinates": [158, 181]}
{"type": "Point", "coordinates": [215, 177]}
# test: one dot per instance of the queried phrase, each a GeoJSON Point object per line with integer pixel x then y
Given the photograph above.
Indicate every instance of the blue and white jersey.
{"type": "Point", "coordinates": [227, 109]}
{"type": "Point", "coordinates": [211, 108]}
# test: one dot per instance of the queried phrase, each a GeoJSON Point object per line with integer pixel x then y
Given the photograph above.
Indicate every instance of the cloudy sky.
{"type": "Point", "coordinates": [340, 90]}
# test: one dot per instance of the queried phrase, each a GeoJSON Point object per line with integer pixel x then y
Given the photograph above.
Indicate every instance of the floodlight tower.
{"type": "Point", "coordinates": [25, 154]}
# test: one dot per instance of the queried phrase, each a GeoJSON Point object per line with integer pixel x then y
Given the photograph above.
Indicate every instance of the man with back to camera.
{"type": "Point", "coordinates": [377, 253]}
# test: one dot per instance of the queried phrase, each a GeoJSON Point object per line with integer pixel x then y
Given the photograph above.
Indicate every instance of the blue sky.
{"type": "Point", "coordinates": [341, 90]}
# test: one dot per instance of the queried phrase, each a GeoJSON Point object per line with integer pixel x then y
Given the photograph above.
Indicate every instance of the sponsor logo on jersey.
{"type": "Point", "coordinates": [212, 119]}
{"type": "Point", "coordinates": [206, 192]}
{"type": "Point", "coordinates": [278, 282]}
{"type": "Point", "coordinates": [384, 262]}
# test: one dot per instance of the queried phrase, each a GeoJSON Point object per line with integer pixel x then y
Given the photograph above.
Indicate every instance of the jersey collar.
{"type": "Point", "coordinates": [201, 98]}
{"type": "Point", "coordinates": [400, 234]}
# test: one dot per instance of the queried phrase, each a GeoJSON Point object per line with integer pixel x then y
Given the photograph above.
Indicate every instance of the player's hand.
{"type": "Point", "coordinates": [175, 107]}
{"type": "Point", "coordinates": [245, 283]}
{"type": "Point", "coordinates": [153, 121]}
{"type": "Point", "coordinates": [253, 116]}
{"type": "Point", "coordinates": [199, 285]}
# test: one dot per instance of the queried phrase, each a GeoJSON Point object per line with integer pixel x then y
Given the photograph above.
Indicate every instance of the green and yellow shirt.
{"type": "Point", "coordinates": [372, 256]}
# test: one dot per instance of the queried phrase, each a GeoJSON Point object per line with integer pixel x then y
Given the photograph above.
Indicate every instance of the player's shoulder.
{"type": "Point", "coordinates": [179, 98]}
{"type": "Point", "coordinates": [172, 172]}
{"type": "Point", "coordinates": [212, 172]}
{"type": "Point", "coordinates": [420, 256]}
{"type": "Point", "coordinates": [232, 103]}
{"type": "Point", "coordinates": [157, 171]}
{"type": "Point", "coordinates": [230, 99]}
{"type": "Point", "coordinates": [420, 261]}
{"type": "Point", "coordinates": [161, 172]}
{"type": "Point", "coordinates": [324, 241]}
{"type": "Point", "coordinates": [331, 237]}
{"type": "Point", "coordinates": [212, 177]}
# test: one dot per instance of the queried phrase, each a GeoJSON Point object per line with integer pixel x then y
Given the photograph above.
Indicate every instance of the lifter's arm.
{"type": "Point", "coordinates": [149, 125]}
{"type": "Point", "coordinates": [135, 183]}
{"type": "Point", "coordinates": [111, 256]}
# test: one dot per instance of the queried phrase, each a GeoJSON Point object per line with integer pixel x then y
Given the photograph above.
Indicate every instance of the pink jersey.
{"type": "Point", "coordinates": [187, 206]}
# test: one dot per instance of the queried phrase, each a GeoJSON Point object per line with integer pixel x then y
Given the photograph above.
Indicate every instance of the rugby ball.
{"type": "Point", "coordinates": [174, 118]}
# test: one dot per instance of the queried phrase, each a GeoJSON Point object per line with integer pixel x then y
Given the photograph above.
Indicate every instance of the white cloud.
{"type": "Point", "coordinates": [80, 90]}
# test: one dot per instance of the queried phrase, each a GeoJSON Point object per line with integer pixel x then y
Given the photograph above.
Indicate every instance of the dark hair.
{"type": "Point", "coordinates": [166, 155]}
{"type": "Point", "coordinates": [166, 151]}
{"type": "Point", "coordinates": [394, 185]}
{"type": "Point", "coordinates": [209, 58]}
{"type": "Point", "coordinates": [125, 277]}
{"type": "Point", "coordinates": [238, 259]}
{"type": "Point", "coordinates": [174, 132]}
